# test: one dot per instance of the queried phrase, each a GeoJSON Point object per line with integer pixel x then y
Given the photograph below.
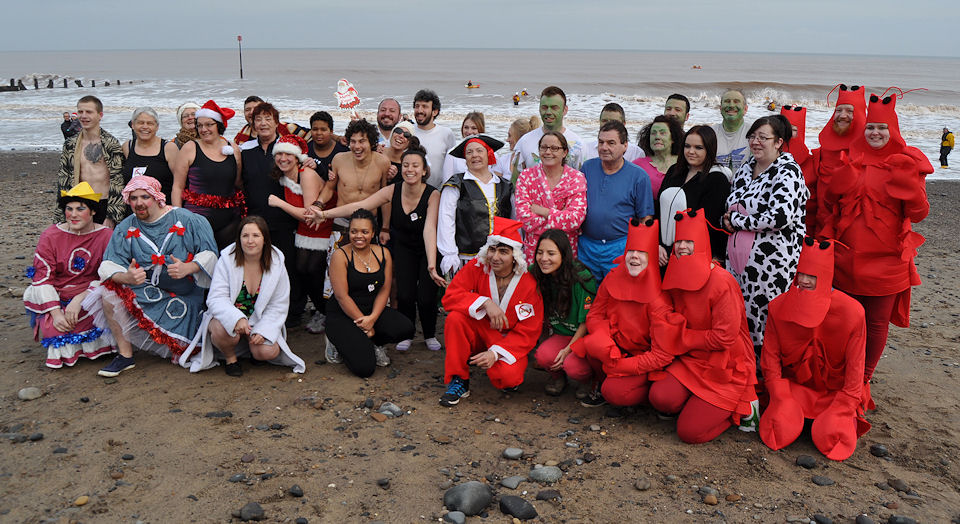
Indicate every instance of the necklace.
{"type": "Point", "coordinates": [366, 265]}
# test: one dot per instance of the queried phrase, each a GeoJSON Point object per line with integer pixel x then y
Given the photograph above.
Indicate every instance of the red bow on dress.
{"type": "Point", "coordinates": [133, 233]}
{"type": "Point", "coordinates": [158, 259]}
{"type": "Point", "coordinates": [178, 230]}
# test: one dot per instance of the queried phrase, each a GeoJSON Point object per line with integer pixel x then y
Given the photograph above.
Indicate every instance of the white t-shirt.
{"type": "Point", "coordinates": [732, 148]}
{"type": "Point", "coordinates": [529, 148]}
{"type": "Point", "coordinates": [437, 142]}
{"type": "Point", "coordinates": [633, 151]}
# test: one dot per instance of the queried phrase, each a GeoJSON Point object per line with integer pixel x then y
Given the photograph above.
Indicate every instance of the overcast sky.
{"type": "Point", "coordinates": [883, 27]}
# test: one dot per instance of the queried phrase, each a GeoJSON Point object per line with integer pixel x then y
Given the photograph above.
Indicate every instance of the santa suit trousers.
{"type": "Point", "coordinates": [626, 391]}
{"type": "Point", "coordinates": [699, 421]}
{"type": "Point", "coordinates": [465, 336]}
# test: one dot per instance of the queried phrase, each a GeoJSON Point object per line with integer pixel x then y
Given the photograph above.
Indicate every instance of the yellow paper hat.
{"type": "Point", "coordinates": [81, 191]}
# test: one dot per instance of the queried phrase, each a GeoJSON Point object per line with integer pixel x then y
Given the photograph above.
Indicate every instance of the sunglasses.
{"type": "Point", "coordinates": [406, 134]}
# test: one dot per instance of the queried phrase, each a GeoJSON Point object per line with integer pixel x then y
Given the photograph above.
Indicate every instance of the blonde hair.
{"type": "Point", "coordinates": [523, 126]}
{"type": "Point", "coordinates": [477, 118]}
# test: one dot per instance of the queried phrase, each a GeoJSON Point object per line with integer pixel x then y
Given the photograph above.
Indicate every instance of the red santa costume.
{"type": "Point", "coordinates": [621, 321]}
{"type": "Point", "coordinates": [711, 384]}
{"type": "Point", "coordinates": [797, 147]}
{"type": "Point", "coordinates": [467, 331]}
{"type": "Point", "coordinates": [831, 147]}
{"type": "Point", "coordinates": [812, 361]}
{"type": "Point", "coordinates": [874, 197]}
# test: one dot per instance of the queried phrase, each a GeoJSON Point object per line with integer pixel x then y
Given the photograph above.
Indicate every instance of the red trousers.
{"type": "Point", "coordinates": [626, 391]}
{"type": "Point", "coordinates": [465, 336]}
{"type": "Point", "coordinates": [877, 311]}
{"type": "Point", "coordinates": [582, 369]}
{"type": "Point", "coordinates": [699, 421]}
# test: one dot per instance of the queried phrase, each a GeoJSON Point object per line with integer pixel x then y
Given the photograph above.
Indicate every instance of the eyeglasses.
{"type": "Point", "coordinates": [759, 138]}
{"type": "Point", "coordinates": [552, 149]}
{"type": "Point", "coordinates": [406, 134]}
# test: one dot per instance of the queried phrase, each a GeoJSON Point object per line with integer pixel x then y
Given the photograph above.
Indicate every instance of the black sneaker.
{"type": "Point", "coordinates": [120, 363]}
{"type": "Point", "coordinates": [593, 400]}
{"type": "Point", "coordinates": [234, 370]}
{"type": "Point", "coordinates": [456, 390]}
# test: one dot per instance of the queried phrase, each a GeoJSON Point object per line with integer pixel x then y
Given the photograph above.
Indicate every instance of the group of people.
{"type": "Point", "coordinates": [698, 271]}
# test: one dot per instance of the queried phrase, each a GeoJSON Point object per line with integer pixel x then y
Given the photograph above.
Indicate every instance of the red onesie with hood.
{"type": "Point", "coordinates": [624, 314]}
{"type": "Point", "coordinates": [873, 199]}
{"type": "Point", "coordinates": [712, 383]}
{"type": "Point", "coordinates": [812, 361]}
{"type": "Point", "coordinates": [831, 147]}
{"type": "Point", "coordinates": [797, 147]}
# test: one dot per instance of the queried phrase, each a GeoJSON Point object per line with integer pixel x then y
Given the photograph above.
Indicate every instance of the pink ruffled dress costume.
{"type": "Point", "coordinates": [65, 265]}
{"type": "Point", "coordinates": [567, 202]}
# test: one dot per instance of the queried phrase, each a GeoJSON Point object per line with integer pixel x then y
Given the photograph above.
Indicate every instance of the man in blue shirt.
{"type": "Point", "coordinates": [616, 192]}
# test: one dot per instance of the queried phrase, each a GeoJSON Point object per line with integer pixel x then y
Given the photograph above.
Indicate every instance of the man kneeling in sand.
{"type": "Point", "coordinates": [154, 270]}
{"type": "Point", "coordinates": [494, 315]}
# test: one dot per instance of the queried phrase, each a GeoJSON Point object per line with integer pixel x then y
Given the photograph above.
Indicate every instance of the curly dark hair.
{"type": "Point", "coordinates": [676, 135]}
{"type": "Point", "coordinates": [557, 287]}
{"type": "Point", "coordinates": [363, 127]}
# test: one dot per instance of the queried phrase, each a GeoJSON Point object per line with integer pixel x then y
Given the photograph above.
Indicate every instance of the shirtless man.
{"type": "Point", "coordinates": [358, 173]}
{"type": "Point", "coordinates": [96, 157]}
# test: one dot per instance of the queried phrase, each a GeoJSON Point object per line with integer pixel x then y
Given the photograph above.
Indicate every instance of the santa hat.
{"type": "Point", "coordinates": [210, 109]}
{"type": "Point", "coordinates": [689, 272]}
{"type": "Point", "coordinates": [505, 231]}
{"type": "Point", "coordinates": [853, 95]}
{"type": "Point", "coordinates": [644, 287]}
{"type": "Point", "coordinates": [797, 116]}
{"type": "Point", "coordinates": [880, 111]}
{"type": "Point", "coordinates": [293, 145]}
{"type": "Point", "coordinates": [804, 306]}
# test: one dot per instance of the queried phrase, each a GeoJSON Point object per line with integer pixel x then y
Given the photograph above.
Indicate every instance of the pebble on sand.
{"type": "Point", "coordinates": [470, 497]}
{"type": "Point", "coordinates": [512, 453]}
{"type": "Point", "coordinates": [820, 480]}
{"type": "Point", "coordinates": [379, 417]}
{"type": "Point", "coordinates": [710, 499]}
{"type": "Point", "coordinates": [251, 511]}
{"type": "Point", "coordinates": [642, 484]}
{"type": "Point", "coordinates": [455, 517]}
{"type": "Point", "coordinates": [806, 461]}
{"type": "Point", "coordinates": [81, 500]}
{"type": "Point", "coordinates": [879, 450]}
{"type": "Point", "coordinates": [548, 474]}
{"type": "Point", "coordinates": [295, 491]}
{"type": "Point", "coordinates": [29, 393]}
{"type": "Point", "coordinates": [517, 507]}
{"type": "Point", "coordinates": [512, 482]}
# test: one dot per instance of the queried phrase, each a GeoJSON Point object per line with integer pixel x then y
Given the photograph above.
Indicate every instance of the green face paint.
{"type": "Point", "coordinates": [552, 109]}
{"type": "Point", "coordinates": [609, 116]}
{"type": "Point", "coordinates": [660, 139]}
{"type": "Point", "coordinates": [732, 108]}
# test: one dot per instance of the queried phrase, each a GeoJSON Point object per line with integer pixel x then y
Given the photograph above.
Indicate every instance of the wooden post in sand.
{"type": "Point", "coordinates": [64, 83]}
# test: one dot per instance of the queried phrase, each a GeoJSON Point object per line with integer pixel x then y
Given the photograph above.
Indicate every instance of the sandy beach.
{"type": "Point", "coordinates": [161, 445]}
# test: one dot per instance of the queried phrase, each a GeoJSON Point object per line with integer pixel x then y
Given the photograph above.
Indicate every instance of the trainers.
{"type": "Point", "coordinates": [433, 344]}
{"type": "Point", "coordinates": [583, 390]}
{"type": "Point", "coordinates": [456, 390]}
{"type": "Point", "coordinates": [120, 363]}
{"type": "Point", "coordinates": [317, 324]}
{"type": "Point", "coordinates": [234, 369]}
{"type": "Point", "coordinates": [751, 423]}
{"type": "Point", "coordinates": [404, 345]}
{"type": "Point", "coordinates": [382, 359]}
{"type": "Point", "coordinates": [331, 354]}
{"type": "Point", "coordinates": [555, 387]}
{"type": "Point", "coordinates": [593, 400]}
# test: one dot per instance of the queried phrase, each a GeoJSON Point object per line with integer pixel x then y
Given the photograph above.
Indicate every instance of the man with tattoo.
{"type": "Point", "coordinates": [96, 157]}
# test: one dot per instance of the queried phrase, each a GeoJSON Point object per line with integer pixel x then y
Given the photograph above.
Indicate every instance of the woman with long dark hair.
{"type": "Point", "coordinates": [661, 141]}
{"type": "Point", "coordinates": [567, 288]}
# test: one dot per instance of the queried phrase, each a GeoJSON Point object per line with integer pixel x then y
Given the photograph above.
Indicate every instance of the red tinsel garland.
{"type": "Point", "coordinates": [129, 301]}
{"type": "Point", "coordinates": [235, 201]}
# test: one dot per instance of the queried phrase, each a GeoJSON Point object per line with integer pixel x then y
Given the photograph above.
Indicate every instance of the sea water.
{"type": "Point", "coordinates": [301, 81]}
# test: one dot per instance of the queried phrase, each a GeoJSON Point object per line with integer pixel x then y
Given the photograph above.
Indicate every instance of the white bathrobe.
{"type": "Point", "coordinates": [267, 319]}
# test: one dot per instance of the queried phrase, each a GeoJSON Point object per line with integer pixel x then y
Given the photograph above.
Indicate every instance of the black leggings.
{"type": "Point", "coordinates": [311, 267]}
{"type": "Point", "coordinates": [415, 289]}
{"type": "Point", "coordinates": [283, 240]}
{"type": "Point", "coordinates": [355, 346]}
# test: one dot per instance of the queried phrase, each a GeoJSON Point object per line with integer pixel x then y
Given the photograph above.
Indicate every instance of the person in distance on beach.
{"type": "Point", "coordinates": [494, 315]}
{"type": "Point", "coordinates": [732, 147]}
{"type": "Point", "coordinates": [155, 269]}
{"type": "Point", "coordinates": [677, 107]}
{"type": "Point", "coordinates": [617, 190]}
{"type": "Point", "coordinates": [207, 174]}
{"type": "Point", "coordinates": [553, 107]}
{"type": "Point", "coordinates": [436, 139]}
{"type": "Point", "coordinates": [873, 200]}
{"type": "Point", "coordinates": [148, 154]}
{"type": "Point", "coordinates": [388, 115]}
{"type": "Point", "coordinates": [661, 141]}
{"type": "Point", "coordinates": [613, 111]}
{"type": "Point", "coordinates": [764, 215]}
{"type": "Point", "coordinates": [187, 116]}
{"type": "Point", "coordinates": [96, 157]}
{"type": "Point", "coordinates": [624, 325]}
{"type": "Point", "coordinates": [710, 385]}
{"type": "Point", "coordinates": [64, 271]}
{"type": "Point", "coordinates": [247, 304]}
{"type": "Point", "coordinates": [946, 145]}
{"type": "Point", "coordinates": [845, 125]}
{"type": "Point", "coordinates": [812, 360]}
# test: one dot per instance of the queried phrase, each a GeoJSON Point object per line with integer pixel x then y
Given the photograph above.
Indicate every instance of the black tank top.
{"type": "Point", "coordinates": [361, 286]}
{"type": "Point", "coordinates": [156, 167]}
{"type": "Point", "coordinates": [407, 229]}
{"type": "Point", "coordinates": [208, 177]}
